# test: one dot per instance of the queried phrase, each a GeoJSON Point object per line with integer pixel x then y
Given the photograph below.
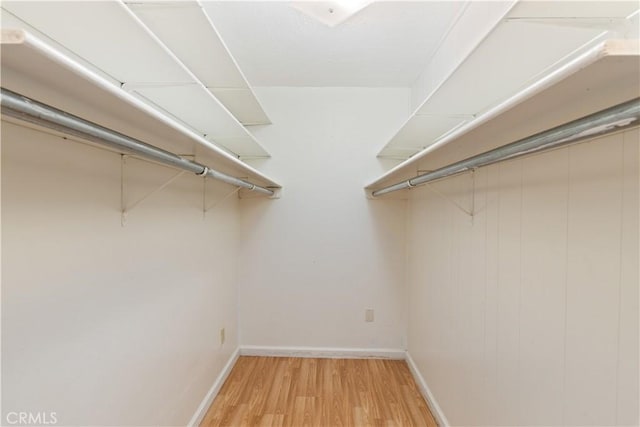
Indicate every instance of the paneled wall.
{"type": "Point", "coordinates": [526, 313]}
{"type": "Point", "coordinates": [104, 324]}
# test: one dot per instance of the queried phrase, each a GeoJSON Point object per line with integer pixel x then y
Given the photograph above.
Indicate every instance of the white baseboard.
{"type": "Point", "coordinates": [214, 390]}
{"type": "Point", "coordinates": [441, 419]}
{"type": "Point", "coordinates": [323, 352]}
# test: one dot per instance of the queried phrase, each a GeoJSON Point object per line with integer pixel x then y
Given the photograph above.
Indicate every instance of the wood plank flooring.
{"type": "Point", "coordinates": [300, 392]}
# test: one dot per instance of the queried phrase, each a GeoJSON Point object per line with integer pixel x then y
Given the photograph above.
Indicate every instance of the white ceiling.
{"type": "Point", "coordinates": [386, 44]}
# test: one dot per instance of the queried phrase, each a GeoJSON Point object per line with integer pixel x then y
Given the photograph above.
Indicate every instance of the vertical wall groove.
{"type": "Point", "coordinates": [622, 179]}
{"type": "Point", "coordinates": [566, 288]}
{"type": "Point", "coordinates": [540, 308]}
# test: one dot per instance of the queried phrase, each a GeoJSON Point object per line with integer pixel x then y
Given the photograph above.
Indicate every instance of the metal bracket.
{"type": "Point", "coordinates": [206, 208]}
{"type": "Point", "coordinates": [125, 208]}
{"type": "Point", "coordinates": [470, 212]}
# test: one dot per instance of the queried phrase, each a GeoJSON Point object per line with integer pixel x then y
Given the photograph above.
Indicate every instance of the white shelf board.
{"type": "Point", "coordinates": [498, 68]}
{"type": "Point", "coordinates": [203, 51]}
{"type": "Point", "coordinates": [242, 102]}
{"type": "Point", "coordinates": [34, 69]}
{"type": "Point", "coordinates": [110, 38]}
{"type": "Point", "coordinates": [423, 127]}
{"type": "Point", "coordinates": [193, 105]}
{"type": "Point", "coordinates": [604, 76]}
{"type": "Point", "coordinates": [104, 35]}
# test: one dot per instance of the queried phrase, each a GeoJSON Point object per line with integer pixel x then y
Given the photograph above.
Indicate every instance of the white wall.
{"type": "Point", "coordinates": [528, 314]}
{"type": "Point", "coordinates": [104, 324]}
{"type": "Point", "coordinates": [313, 261]}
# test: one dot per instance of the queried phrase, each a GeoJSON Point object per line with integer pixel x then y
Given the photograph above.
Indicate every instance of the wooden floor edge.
{"type": "Point", "coordinates": [319, 352]}
{"type": "Point", "coordinates": [437, 412]}
{"type": "Point", "coordinates": [297, 391]}
{"type": "Point", "coordinates": [202, 409]}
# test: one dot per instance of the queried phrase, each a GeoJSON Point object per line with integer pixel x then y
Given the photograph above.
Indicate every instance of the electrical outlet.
{"type": "Point", "coordinates": [368, 315]}
{"type": "Point", "coordinates": [222, 336]}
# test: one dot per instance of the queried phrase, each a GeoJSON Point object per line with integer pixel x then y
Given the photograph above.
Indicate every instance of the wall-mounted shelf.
{"type": "Point", "coordinates": [535, 37]}
{"type": "Point", "coordinates": [602, 77]}
{"type": "Point", "coordinates": [203, 51]}
{"type": "Point", "coordinates": [111, 38]}
{"type": "Point", "coordinates": [34, 69]}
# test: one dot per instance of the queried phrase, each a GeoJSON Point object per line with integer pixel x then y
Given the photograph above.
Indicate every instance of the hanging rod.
{"type": "Point", "coordinates": [30, 110]}
{"type": "Point", "coordinates": [605, 121]}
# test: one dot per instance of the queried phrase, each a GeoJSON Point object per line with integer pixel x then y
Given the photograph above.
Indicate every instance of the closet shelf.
{"type": "Point", "coordinates": [602, 77]}
{"type": "Point", "coordinates": [182, 69]}
{"type": "Point", "coordinates": [536, 37]}
{"type": "Point", "coordinates": [204, 52]}
{"type": "Point", "coordinates": [35, 69]}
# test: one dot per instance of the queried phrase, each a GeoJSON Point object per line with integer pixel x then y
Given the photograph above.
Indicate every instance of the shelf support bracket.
{"type": "Point", "coordinates": [125, 208]}
{"type": "Point", "coordinates": [206, 208]}
{"type": "Point", "coordinates": [470, 212]}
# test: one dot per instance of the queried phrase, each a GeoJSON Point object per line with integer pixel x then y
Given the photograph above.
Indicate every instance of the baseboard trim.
{"type": "Point", "coordinates": [214, 390]}
{"type": "Point", "coordinates": [441, 419]}
{"type": "Point", "coordinates": [323, 352]}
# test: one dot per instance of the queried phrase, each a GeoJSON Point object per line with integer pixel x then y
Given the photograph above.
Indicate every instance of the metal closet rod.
{"type": "Point", "coordinates": [605, 121]}
{"type": "Point", "coordinates": [30, 110]}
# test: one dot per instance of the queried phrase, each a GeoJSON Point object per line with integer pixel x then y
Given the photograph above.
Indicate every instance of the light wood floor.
{"type": "Point", "coordinates": [298, 392]}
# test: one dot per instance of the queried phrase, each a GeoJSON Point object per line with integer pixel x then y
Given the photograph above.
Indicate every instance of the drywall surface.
{"type": "Point", "coordinates": [104, 324]}
{"type": "Point", "coordinates": [314, 260]}
{"type": "Point", "coordinates": [527, 313]}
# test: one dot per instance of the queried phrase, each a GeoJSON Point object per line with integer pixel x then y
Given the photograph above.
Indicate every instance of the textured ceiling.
{"type": "Point", "coordinates": [386, 44]}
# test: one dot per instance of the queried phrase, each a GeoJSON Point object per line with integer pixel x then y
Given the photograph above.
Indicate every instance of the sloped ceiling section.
{"type": "Point", "coordinates": [165, 70]}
